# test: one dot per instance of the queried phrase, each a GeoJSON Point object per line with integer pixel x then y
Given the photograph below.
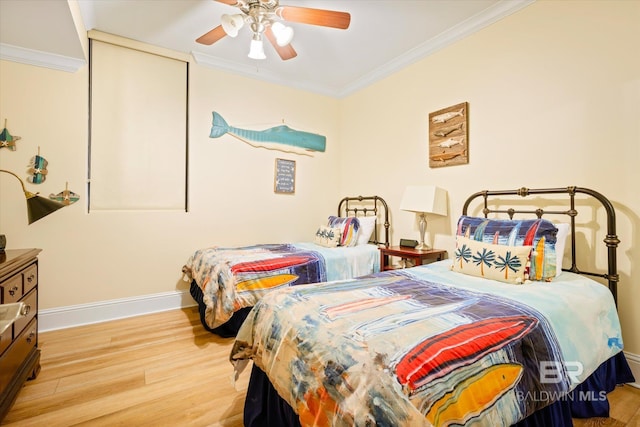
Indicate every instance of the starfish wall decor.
{"type": "Point", "coordinates": [6, 139]}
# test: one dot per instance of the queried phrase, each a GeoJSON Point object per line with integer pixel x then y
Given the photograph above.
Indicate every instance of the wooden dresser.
{"type": "Point", "coordinates": [19, 352]}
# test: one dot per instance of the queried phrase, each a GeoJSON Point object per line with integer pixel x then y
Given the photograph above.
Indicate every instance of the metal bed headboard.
{"type": "Point", "coordinates": [611, 240]}
{"type": "Point", "coordinates": [350, 206]}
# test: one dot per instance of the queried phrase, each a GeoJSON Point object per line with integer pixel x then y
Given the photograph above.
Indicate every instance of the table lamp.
{"type": "Point", "coordinates": [426, 199]}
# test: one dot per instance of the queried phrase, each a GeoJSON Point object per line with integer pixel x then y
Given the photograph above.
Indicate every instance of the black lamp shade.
{"type": "Point", "coordinates": [39, 207]}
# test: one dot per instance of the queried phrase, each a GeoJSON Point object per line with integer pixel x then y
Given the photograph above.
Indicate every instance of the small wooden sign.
{"type": "Point", "coordinates": [285, 176]}
{"type": "Point", "coordinates": [448, 138]}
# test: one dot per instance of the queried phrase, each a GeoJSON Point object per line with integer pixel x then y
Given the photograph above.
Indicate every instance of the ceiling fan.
{"type": "Point", "coordinates": [264, 18]}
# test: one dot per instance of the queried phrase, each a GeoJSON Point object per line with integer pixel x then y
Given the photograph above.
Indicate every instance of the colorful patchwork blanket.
{"type": "Point", "coordinates": [428, 346]}
{"type": "Point", "coordinates": [234, 278]}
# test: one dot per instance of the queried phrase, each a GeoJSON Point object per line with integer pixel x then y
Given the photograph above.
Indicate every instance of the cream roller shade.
{"type": "Point", "coordinates": [138, 145]}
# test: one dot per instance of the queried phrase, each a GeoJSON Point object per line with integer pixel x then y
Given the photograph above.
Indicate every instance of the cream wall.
{"type": "Point", "coordinates": [101, 256]}
{"type": "Point", "coordinates": [554, 101]}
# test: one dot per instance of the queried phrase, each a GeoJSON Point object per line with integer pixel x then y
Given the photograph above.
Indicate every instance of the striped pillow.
{"type": "Point", "coordinates": [349, 226]}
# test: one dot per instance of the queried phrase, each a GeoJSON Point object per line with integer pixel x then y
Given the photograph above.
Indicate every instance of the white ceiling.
{"type": "Point", "coordinates": [383, 37]}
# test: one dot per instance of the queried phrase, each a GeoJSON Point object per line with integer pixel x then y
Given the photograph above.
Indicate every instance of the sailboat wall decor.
{"type": "Point", "coordinates": [281, 138]}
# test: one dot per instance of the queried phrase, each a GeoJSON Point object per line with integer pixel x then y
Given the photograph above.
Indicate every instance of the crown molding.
{"type": "Point", "coordinates": [264, 75]}
{"type": "Point", "coordinates": [40, 59]}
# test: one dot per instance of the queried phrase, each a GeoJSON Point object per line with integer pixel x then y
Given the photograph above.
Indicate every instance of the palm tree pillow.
{"type": "Point", "coordinates": [328, 236]}
{"type": "Point", "coordinates": [508, 264]}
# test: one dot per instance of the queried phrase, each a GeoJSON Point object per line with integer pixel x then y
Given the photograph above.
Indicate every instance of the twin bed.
{"type": "Point", "coordinates": [499, 335]}
{"type": "Point", "coordinates": [227, 282]}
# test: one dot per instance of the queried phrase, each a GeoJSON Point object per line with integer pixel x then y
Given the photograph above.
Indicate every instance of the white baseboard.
{"type": "Point", "coordinates": [85, 314]}
{"type": "Point", "coordinates": [634, 364]}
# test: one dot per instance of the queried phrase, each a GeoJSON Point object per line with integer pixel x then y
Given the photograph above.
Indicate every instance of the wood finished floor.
{"type": "Point", "coordinates": [162, 369]}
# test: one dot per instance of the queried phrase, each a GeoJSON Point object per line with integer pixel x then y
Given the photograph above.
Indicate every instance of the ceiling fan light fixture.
{"type": "Point", "coordinates": [269, 18]}
{"type": "Point", "coordinates": [283, 33]}
{"type": "Point", "coordinates": [256, 49]}
{"type": "Point", "coordinates": [231, 24]}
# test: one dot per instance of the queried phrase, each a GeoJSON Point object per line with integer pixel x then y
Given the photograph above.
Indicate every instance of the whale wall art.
{"type": "Point", "coordinates": [281, 138]}
{"type": "Point", "coordinates": [448, 139]}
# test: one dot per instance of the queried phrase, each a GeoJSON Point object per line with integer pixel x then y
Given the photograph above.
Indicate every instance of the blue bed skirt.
{"type": "Point", "coordinates": [264, 407]}
{"type": "Point", "coordinates": [230, 327]}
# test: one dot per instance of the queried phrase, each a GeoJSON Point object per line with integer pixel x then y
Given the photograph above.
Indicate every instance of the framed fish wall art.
{"type": "Point", "coordinates": [448, 138]}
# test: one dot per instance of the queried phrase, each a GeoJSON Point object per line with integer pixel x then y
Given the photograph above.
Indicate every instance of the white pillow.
{"type": "Point", "coordinates": [367, 224]}
{"type": "Point", "coordinates": [563, 232]}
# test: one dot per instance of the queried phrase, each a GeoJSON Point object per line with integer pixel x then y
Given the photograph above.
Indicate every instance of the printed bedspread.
{"type": "Point", "coordinates": [234, 278]}
{"type": "Point", "coordinates": [427, 346]}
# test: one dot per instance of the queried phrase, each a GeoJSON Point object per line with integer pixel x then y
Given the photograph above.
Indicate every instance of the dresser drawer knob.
{"type": "Point", "coordinates": [31, 278]}
{"type": "Point", "coordinates": [30, 337]}
{"type": "Point", "coordinates": [13, 290]}
{"type": "Point", "coordinates": [26, 309]}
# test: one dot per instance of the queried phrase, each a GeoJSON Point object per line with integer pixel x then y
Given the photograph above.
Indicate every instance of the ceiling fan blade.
{"type": "Point", "coordinates": [229, 2]}
{"type": "Point", "coordinates": [212, 36]}
{"type": "Point", "coordinates": [322, 17]}
{"type": "Point", "coordinates": [285, 52]}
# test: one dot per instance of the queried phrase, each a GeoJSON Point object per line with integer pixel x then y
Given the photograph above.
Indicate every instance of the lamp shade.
{"type": "Point", "coordinates": [37, 207]}
{"type": "Point", "coordinates": [283, 33]}
{"type": "Point", "coordinates": [256, 49]}
{"type": "Point", "coordinates": [424, 199]}
{"type": "Point", "coordinates": [231, 24]}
